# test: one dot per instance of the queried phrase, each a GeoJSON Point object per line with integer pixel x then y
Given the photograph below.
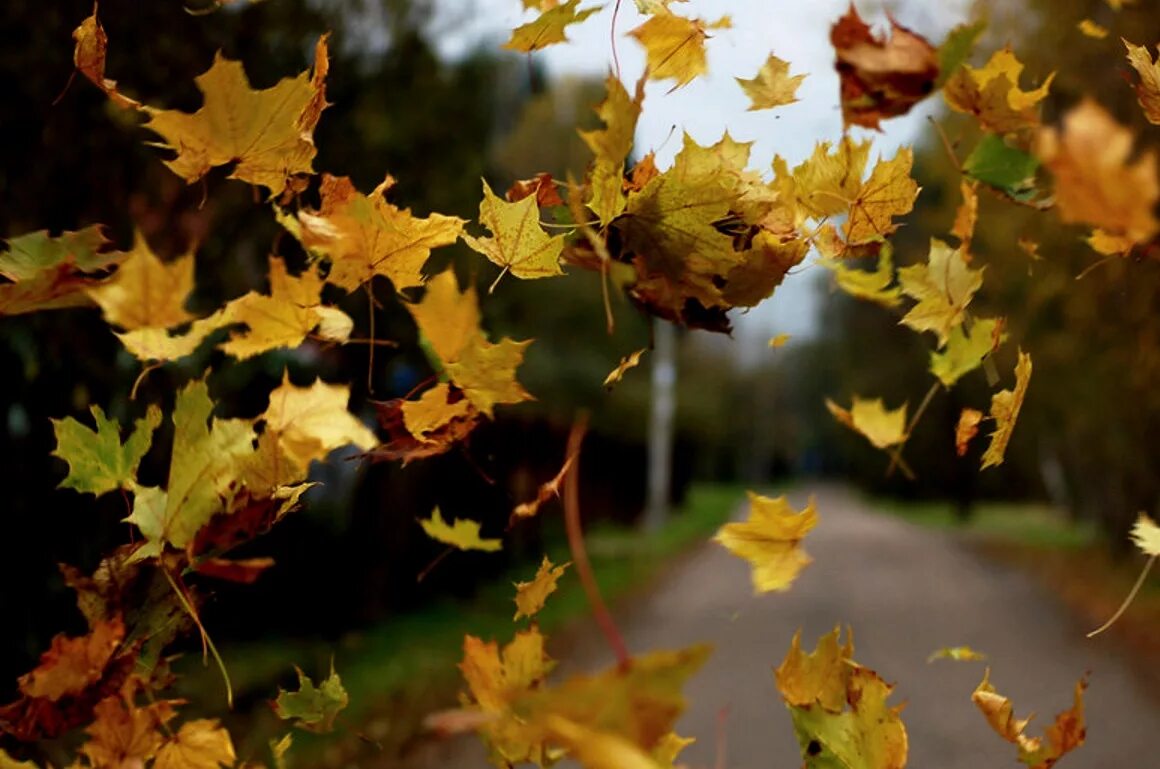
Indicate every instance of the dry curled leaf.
{"type": "Point", "coordinates": [530, 596]}
{"type": "Point", "coordinates": [1005, 406]}
{"type": "Point", "coordinates": [1063, 736]}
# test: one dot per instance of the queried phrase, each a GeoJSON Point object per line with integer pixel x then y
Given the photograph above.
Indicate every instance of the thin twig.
{"type": "Point", "coordinates": [431, 566]}
{"type": "Point", "coordinates": [371, 347]}
{"type": "Point", "coordinates": [1127, 601]}
{"type": "Point", "coordinates": [946, 143]}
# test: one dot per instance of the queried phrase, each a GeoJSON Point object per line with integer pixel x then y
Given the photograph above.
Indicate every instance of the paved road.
{"type": "Point", "coordinates": [906, 591]}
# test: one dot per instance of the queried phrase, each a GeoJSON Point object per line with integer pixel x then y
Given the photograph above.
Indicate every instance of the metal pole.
{"type": "Point", "coordinates": [660, 429]}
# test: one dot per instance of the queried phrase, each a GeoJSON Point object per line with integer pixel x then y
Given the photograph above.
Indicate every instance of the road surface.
{"type": "Point", "coordinates": [906, 591]}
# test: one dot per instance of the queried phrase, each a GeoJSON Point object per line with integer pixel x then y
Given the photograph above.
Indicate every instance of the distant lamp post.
{"type": "Point", "coordinates": [660, 428]}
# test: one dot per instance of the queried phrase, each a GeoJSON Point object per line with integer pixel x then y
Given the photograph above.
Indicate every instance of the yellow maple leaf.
{"type": "Point", "coordinates": [364, 236]}
{"type": "Point", "coordinates": [1146, 535]}
{"type": "Point", "coordinates": [1094, 183]}
{"type": "Point", "coordinates": [870, 286]}
{"type": "Point", "coordinates": [992, 94]}
{"type": "Point", "coordinates": [967, 214]}
{"type": "Point", "coordinates": [965, 351]}
{"type": "Point", "coordinates": [769, 540]}
{"type": "Point", "coordinates": [310, 422]}
{"type": "Point", "coordinates": [123, 733]}
{"type": "Point", "coordinates": [530, 596]}
{"type": "Point", "coordinates": [675, 45]}
{"type": "Point", "coordinates": [146, 292]}
{"type": "Point", "coordinates": [611, 146]}
{"type": "Point", "coordinates": [462, 534]}
{"type": "Point", "coordinates": [1090, 29]}
{"type": "Point", "coordinates": [628, 361]}
{"type": "Point", "coordinates": [817, 677]}
{"type": "Point", "coordinates": [448, 318]}
{"type": "Point", "coordinates": [944, 286]}
{"type": "Point", "coordinates": [433, 411]}
{"type": "Point", "coordinates": [156, 343]}
{"type": "Point", "coordinates": [827, 183]}
{"type": "Point", "coordinates": [772, 86]}
{"type": "Point", "coordinates": [486, 373]}
{"type": "Point", "coordinates": [1148, 89]}
{"type": "Point", "coordinates": [89, 57]}
{"type": "Point", "coordinates": [882, 427]}
{"type": "Point", "coordinates": [284, 317]}
{"type": "Point", "coordinates": [267, 133]}
{"type": "Point", "coordinates": [966, 428]}
{"type": "Point", "coordinates": [889, 192]}
{"type": "Point", "coordinates": [518, 244]}
{"type": "Point", "coordinates": [1005, 406]}
{"type": "Point", "coordinates": [549, 27]}
{"type": "Point", "coordinates": [199, 744]}
{"type": "Point", "coordinates": [1063, 736]}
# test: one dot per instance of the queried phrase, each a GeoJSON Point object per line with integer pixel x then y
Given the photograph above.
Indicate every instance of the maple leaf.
{"type": "Point", "coordinates": [1091, 29]}
{"type": "Point", "coordinates": [675, 45]}
{"type": "Point", "coordinates": [199, 744]}
{"type": "Point", "coordinates": [98, 461]}
{"type": "Point", "coordinates": [944, 286]}
{"type": "Point", "coordinates": [992, 94]}
{"type": "Point", "coordinates": [1148, 89]}
{"type": "Point", "coordinates": [310, 422]}
{"type": "Point", "coordinates": [889, 192]}
{"type": "Point", "coordinates": [519, 244]}
{"type": "Point", "coordinates": [772, 86]}
{"type": "Point", "coordinates": [967, 215]}
{"type": "Point", "coordinates": [611, 146]}
{"type": "Point", "coordinates": [966, 429]}
{"type": "Point", "coordinates": [956, 653]}
{"type": "Point", "coordinates": [632, 360]}
{"type": "Point", "coordinates": [364, 236]}
{"type": "Point", "coordinates": [35, 254]}
{"type": "Point", "coordinates": [146, 292]}
{"type": "Point", "coordinates": [955, 49]}
{"type": "Point", "coordinates": [125, 734]}
{"type": "Point", "coordinates": [549, 27]}
{"type": "Point", "coordinates": [595, 749]}
{"type": "Point", "coordinates": [542, 186]}
{"type": "Point", "coordinates": [883, 428]}
{"type": "Point", "coordinates": [839, 709]}
{"type": "Point", "coordinates": [828, 182]}
{"type": "Point", "coordinates": [71, 665]}
{"type": "Point", "coordinates": [313, 708]}
{"type": "Point", "coordinates": [1005, 406]}
{"type": "Point", "coordinates": [89, 58]}
{"type": "Point", "coordinates": [870, 286]}
{"type": "Point", "coordinates": [530, 596]}
{"type": "Point", "coordinates": [486, 373]}
{"type": "Point", "coordinates": [769, 540]}
{"type": "Point", "coordinates": [881, 77]}
{"type": "Point", "coordinates": [434, 411]}
{"type": "Point", "coordinates": [965, 351]}
{"type": "Point", "coordinates": [1063, 736]}
{"type": "Point", "coordinates": [8, 762]}
{"type": "Point", "coordinates": [267, 133]}
{"type": "Point", "coordinates": [1094, 183]}
{"type": "Point", "coordinates": [448, 318]}
{"type": "Point", "coordinates": [1009, 170]}
{"type": "Point", "coordinates": [1146, 535]}
{"type": "Point", "coordinates": [403, 444]}
{"type": "Point", "coordinates": [284, 317]}
{"type": "Point", "coordinates": [461, 534]}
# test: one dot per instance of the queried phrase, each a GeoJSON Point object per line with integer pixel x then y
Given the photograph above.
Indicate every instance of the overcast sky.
{"type": "Point", "coordinates": [795, 30]}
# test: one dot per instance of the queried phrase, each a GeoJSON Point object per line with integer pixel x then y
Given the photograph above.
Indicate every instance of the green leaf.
{"type": "Point", "coordinates": [98, 461]}
{"type": "Point", "coordinates": [34, 252]}
{"type": "Point", "coordinates": [956, 48]}
{"type": "Point", "coordinates": [1008, 169]}
{"type": "Point", "coordinates": [964, 351]}
{"type": "Point", "coordinates": [313, 708]}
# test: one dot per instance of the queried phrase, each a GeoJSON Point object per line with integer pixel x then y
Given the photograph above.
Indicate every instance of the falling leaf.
{"type": "Point", "coordinates": [964, 351]}
{"type": "Point", "coordinates": [992, 94]}
{"type": "Point", "coordinates": [157, 343]}
{"type": "Point", "coordinates": [1106, 243]}
{"type": "Point", "coordinates": [883, 428]}
{"type": "Point", "coordinates": [518, 244]}
{"type": "Point", "coordinates": [675, 45]}
{"type": "Point", "coordinates": [956, 653]}
{"type": "Point", "coordinates": [146, 292]}
{"type": "Point", "coordinates": [828, 182]}
{"type": "Point", "coordinates": [670, 746]}
{"type": "Point", "coordinates": [1030, 247]}
{"type": "Point", "coordinates": [125, 734]}
{"type": "Point", "coordinates": [1148, 89]}
{"type": "Point", "coordinates": [487, 373]}
{"type": "Point", "coordinates": [955, 49]}
{"type": "Point", "coordinates": [1005, 406]}
{"type": "Point", "coordinates": [1091, 29]}
{"type": "Point", "coordinates": [944, 286]}
{"type": "Point", "coordinates": [769, 540]}
{"type": "Point", "coordinates": [1063, 736]}
{"type": "Point", "coordinates": [73, 664]}
{"type": "Point", "coordinates": [542, 186]}
{"type": "Point", "coordinates": [313, 708]}
{"type": "Point", "coordinates": [549, 28]}
{"type": "Point", "coordinates": [881, 77]}
{"type": "Point", "coordinates": [200, 744]}
{"type": "Point", "coordinates": [966, 216]}
{"type": "Point", "coordinates": [8, 762]}
{"type": "Point", "coordinates": [779, 341]}
{"type": "Point", "coordinates": [363, 236]}
{"type": "Point", "coordinates": [1002, 167]}
{"type": "Point", "coordinates": [1094, 183]}
{"type": "Point", "coordinates": [889, 192]}
{"type": "Point", "coordinates": [1146, 535]}
{"type": "Point", "coordinates": [462, 534]}
{"type": "Point", "coordinates": [98, 461]}
{"type": "Point", "coordinates": [772, 86]}
{"type": "Point", "coordinates": [876, 286]}
{"type": "Point", "coordinates": [89, 59]}
{"type": "Point", "coordinates": [402, 444]}
{"type": "Point", "coordinates": [611, 146]}
{"type": "Point", "coordinates": [628, 361]}
{"type": "Point", "coordinates": [310, 422]}
{"type": "Point", "coordinates": [839, 709]}
{"type": "Point", "coordinates": [266, 133]}
{"type": "Point", "coordinates": [530, 596]}
{"type": "Point", "coordinates": [595, 749]}
{"type": "Point", "coordinates": [966, 429]}
{"type": "Point", "coordinates": [547, 491]}
{"type": "Point", "coordinates": [434, 410]}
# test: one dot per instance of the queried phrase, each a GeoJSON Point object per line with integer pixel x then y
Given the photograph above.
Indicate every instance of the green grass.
{"type": "Point", "coordinates": [1031, 525]}
{"type": "Point", "coordinates": [399, 670]}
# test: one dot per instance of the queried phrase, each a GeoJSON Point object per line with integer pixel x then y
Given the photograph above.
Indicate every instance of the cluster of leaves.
{"type": "Point", "coordinates": [687, 244]}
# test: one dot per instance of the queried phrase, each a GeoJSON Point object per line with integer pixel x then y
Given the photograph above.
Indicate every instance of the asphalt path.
{"type": "Point", "coordinates": [905, 591]}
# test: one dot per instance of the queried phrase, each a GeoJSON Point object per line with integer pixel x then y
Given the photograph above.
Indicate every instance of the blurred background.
{"type": "Point", "coordinates": [421, 90]}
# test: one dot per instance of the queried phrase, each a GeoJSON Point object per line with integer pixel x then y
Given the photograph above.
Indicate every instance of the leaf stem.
{"type": "Point", "coordinates": [896, 458]}
{"type": "Point", "coordinates": [1127, 601]}
{"type": "Point", "coordinates": [206, 641]}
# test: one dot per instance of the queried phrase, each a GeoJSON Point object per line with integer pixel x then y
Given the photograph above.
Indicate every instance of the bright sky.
{"type": "Point", "coordinates": [797, 31]}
